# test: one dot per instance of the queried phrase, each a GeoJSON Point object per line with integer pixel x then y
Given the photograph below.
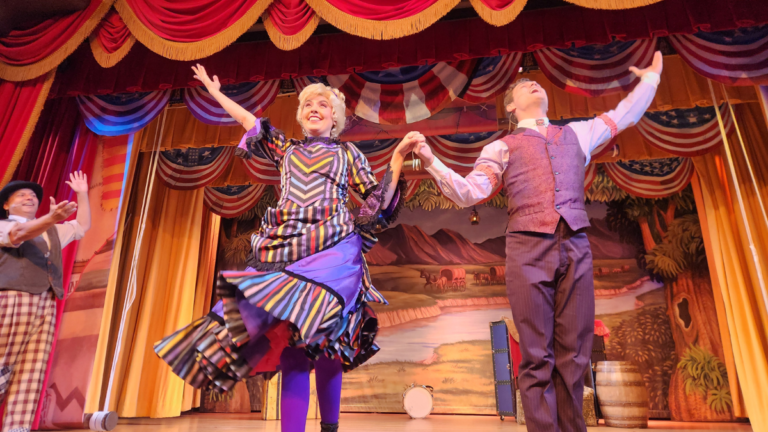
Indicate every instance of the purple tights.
{"type": "Point", "coordinates": [294, 401]}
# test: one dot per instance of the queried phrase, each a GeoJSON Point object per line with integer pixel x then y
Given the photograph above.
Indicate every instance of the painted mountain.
{"type": "Point", "coordinates": [408, 244]}
{"type": "Point", "coordinates": [604, 242]}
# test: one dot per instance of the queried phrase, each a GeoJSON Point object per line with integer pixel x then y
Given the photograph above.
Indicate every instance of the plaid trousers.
{"type": "Point", "coordinates": [27, 323]}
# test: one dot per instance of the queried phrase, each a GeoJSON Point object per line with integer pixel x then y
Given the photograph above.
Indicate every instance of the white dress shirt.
{"type": "Point", "coordinates": [68, 231]}
{"type": "Point", "coordinates": [490, 166]}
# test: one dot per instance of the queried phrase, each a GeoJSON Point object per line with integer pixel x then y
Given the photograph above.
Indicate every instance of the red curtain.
{"type": "Point", "coordinates": [498, 12]}
{"type": "Point", "coordinates": [111, 40]}
{"type": "Point", "coordinates": [61, 135]}
{"type": "Point", "coordinates": [290, 23]}
{"type": "Point", "coordinates": [444, 41]}
{"type": "Point", "coordinates": [27, 53]}
{"type": "Point", "coordinates": [49, 146]}
{"type": "Point", "coordinates": [189, 30]}
{"type": "Point", "coordinates": [22, 104]}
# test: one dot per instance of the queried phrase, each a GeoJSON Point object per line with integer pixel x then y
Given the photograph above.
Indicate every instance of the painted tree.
{"type": "Point", "coordinates": [699, 387]}
{"type": "Point", "coordinates": [670, 247]}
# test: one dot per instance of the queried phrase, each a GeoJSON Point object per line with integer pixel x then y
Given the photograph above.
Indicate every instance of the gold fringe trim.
{"type": "Point", "coordinates": [290, 42]}
{"type": "Point", "coordinates": [29, 128]}
{"type": "Point", "coordinates": [612, 4]}
{"type": "Point", "coordinates": [381, 30]}
{"type": "Point", "coordinates": [186, 51]}
{"type": "Point", "coordinates": [34, 70]}
{"type": "Point", "coordinates": [498, 18]}
{"type": "Point", "coordinates": [105, 59]}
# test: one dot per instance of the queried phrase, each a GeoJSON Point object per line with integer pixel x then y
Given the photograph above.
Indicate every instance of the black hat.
{"type": "Point", "coordinates": [14, 186]}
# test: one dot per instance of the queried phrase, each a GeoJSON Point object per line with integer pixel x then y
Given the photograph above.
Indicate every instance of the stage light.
{"type": "Point", "coordinates": [474, 217]}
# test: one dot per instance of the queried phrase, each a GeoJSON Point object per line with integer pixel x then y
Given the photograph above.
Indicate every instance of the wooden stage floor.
{"type": "Point", "coordinates": [380, 423]}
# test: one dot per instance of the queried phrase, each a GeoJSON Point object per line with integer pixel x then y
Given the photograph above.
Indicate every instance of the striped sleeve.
{"type": "Point", "coordinates": [265, 142]}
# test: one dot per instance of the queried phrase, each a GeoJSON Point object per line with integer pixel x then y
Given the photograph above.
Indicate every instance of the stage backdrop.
{"type": "Point", "coordinates": [652, 289]}
{"type": "Point", "coordinates": [70, 375]}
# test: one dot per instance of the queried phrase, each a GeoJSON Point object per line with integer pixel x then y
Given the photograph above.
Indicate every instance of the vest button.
{"type": "Point", "coordinates": [557, 207]}
{"type": "Point", "coordinates": [557, 173]}
{"type": "Point", "coordinates": [551, 157]}
{"type": "Point", "coordinates": [549, 143]}
{"type": "Point", "coordinates": [557, 189]}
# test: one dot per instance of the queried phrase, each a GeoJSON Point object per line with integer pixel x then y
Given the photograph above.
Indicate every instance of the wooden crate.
{"type": "Point", "coordinates": [236, 400]}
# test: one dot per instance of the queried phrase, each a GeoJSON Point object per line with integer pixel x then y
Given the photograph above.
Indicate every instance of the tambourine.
{"type": "Point", "coordinates": [417, 401]}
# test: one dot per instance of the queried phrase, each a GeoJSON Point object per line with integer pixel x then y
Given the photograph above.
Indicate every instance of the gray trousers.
{"type": "Point", "coordinates": [551, 290]}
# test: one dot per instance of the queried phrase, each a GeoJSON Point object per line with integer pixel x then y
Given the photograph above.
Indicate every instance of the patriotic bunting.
{"type": "Point", "coordinates": [261, 170]}
{"type": "Point", "coordinates": [255, 97]}
{"type": "Point", "coordinates": [492, 76]}
{"type": "Point", "coordinates": [596, 70]}
{"type": "Point", "coordinates": [378, 153]}
{"type": "Point", "coordinates": [654, 178]}
{"type": "Point", "coordinates": [735, 57]}
{"type": "Point", "coordinates": [460, 151]}
{"type": "Point", "coordinates": [403, 95]}
{"type": "Point", "coordinates": [121, 114]}
{"type": "Point", "coordinates": [232, 201]}
{"type": "Point", "coordinates": [589, 175]}
{"type": "Point", "coordinates": [193, 168]}
{"type": "Point", "coordinates": [685, 132]}
{"type": "Point", "coordinates": [301, 82]}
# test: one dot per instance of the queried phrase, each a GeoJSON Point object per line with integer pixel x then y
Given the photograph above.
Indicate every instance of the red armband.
{"type": "Point", "coordinates": [610, 123]}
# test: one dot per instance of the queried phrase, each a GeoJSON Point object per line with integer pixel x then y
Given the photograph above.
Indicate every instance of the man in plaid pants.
{"type": "Point", "coordinates": [30, 281]}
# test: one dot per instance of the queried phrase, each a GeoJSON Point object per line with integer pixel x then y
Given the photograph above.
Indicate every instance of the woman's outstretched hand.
{"type": "Point", "coordinates": [201, 75]}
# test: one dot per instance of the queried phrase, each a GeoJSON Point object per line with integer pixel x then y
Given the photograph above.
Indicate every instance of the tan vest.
{"type": "Point", "coordinates": [27, 268]}
{"type": "Point", "coordinates": [544, 180]}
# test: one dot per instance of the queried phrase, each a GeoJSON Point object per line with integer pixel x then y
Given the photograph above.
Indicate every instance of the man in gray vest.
{"type": "Point", "coordinates": [30, 282]}
{"type": "Point", "coordinates": [549, 261]}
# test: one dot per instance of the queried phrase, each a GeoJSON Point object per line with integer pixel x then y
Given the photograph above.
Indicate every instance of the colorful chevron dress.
{"type": "Point", "coordinates": [307, 284]}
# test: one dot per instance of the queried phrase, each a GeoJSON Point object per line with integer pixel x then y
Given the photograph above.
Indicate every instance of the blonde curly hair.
{"type": "Point", "coordinates": [337, 103]}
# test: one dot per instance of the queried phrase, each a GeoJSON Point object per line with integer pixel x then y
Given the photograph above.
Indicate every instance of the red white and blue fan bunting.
{"type": "Point", "coordinates": [653, 178]}
{"type": "Point", "coordinates": [685, 132]}
{"type": "Point", "coordinates": [261, 170]}
{"type": "Point", "coordinates": [232, 201]}
{"type": "Point", "coordinates": [492, 76]}
{"type": "Point", "coordinates": [596, 70]}
{"type": "Point", "coordinates": [255, 97]}
{"type": "Point", "coordinates": [403, 95]}
{"type": "Point", "coordinates": [736, 57]}
{"type": "Point", "coordinates": [589, 175]}
{"type": "Point", "coordinates": [123, 113]}
{"type": "Point", "coordinates": [301, 82]}
{"type": "Point", "coordinates": [193, 168]}
{"type": "Point", "coordinates": [378, 153]}
{"type": "Point", "coordinates": [460, 151]}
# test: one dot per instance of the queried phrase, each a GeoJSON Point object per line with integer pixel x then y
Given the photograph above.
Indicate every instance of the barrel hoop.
{"type": "Point", "coordinates": [620, 383]}
{"type": "Point", "coordinates": [634, 404]}
{"type": "Point", "coordinates": [617, 369]}
{"type": "Point", "coordinates": [609, 418]}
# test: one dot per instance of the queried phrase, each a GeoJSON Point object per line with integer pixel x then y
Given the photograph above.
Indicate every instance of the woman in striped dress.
{"type": "Point", "coordinates": [303, 300]}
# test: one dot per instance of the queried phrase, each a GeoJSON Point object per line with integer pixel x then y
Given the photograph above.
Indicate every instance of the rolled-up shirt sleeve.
{"type": "Point", "coordinates": [69, 231]}
{"type": "Point", "coordinates": [5, 230]}
{"type": "Point", "coordinates": [478, 184]}
{"type": "Point", "coordinates": [592, 133]}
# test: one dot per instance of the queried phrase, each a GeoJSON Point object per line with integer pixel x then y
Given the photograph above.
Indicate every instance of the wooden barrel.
{"type": "Point", "coordinates": [622, 394]}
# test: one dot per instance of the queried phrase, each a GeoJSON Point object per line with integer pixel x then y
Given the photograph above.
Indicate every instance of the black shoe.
{"type": "Point", "coordinates": [329, 427]}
